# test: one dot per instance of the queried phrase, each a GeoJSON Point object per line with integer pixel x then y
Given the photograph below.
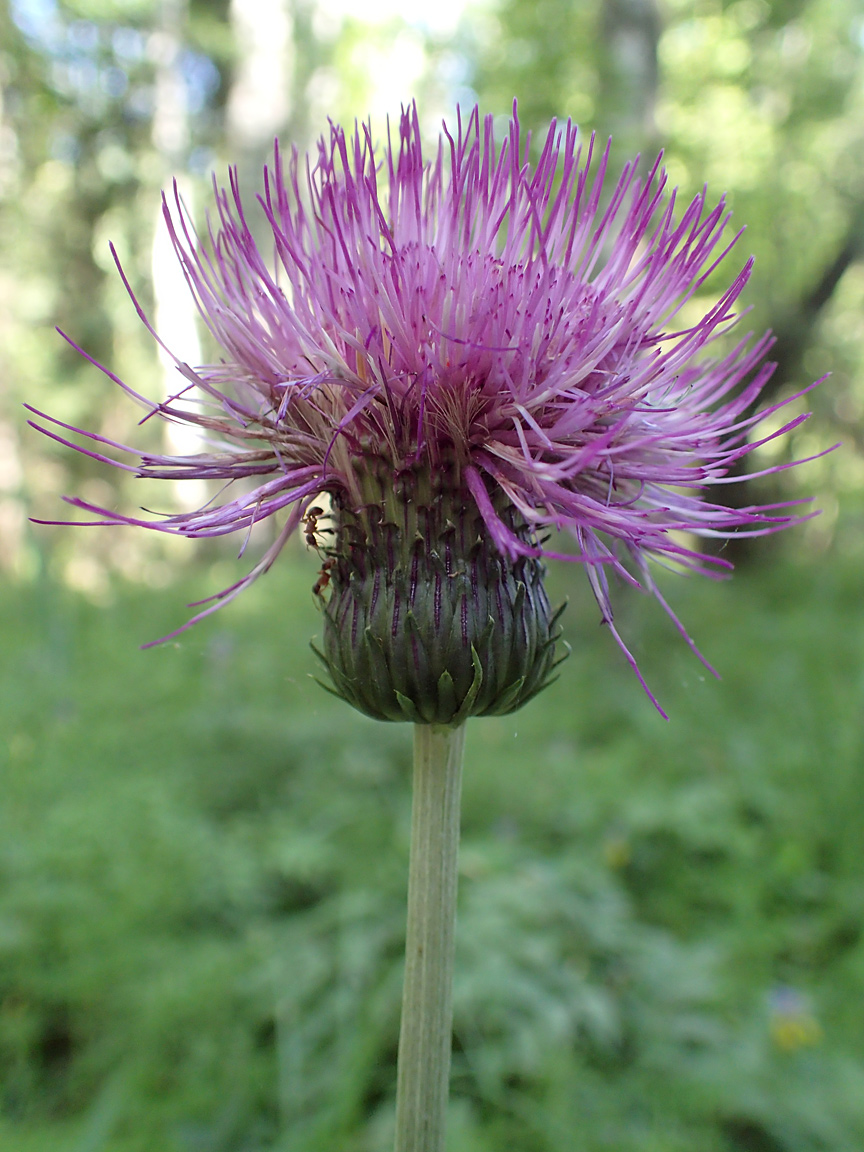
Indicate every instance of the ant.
{"type": "Point", "coordinates": [323, 577]}
{"type": "Point", "coordinates": [311, 532]}
{"type": "Point", "coordinates": [310, 523]}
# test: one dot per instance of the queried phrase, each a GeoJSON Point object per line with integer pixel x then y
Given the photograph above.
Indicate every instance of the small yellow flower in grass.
{"type": "Point", "coordinates": [792, 1023]}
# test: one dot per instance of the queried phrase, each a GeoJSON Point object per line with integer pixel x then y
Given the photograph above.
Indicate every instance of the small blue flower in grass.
{"type": "Point", "coordinates": [464, 354]}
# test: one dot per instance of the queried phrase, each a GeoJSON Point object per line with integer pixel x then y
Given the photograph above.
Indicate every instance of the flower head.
{"type": "Point", "coordinates": [494, 334]}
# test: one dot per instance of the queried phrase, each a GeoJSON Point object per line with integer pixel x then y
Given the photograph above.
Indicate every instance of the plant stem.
{"type": "Point", "coordinates": [427, 1001]}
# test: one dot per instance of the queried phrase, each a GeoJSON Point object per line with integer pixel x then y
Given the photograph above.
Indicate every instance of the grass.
{"type": "Point", "coordinates": [202, 872]}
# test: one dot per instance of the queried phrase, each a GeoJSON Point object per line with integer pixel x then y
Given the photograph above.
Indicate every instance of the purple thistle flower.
{"type": "Point", "coordinates": [489, 323]}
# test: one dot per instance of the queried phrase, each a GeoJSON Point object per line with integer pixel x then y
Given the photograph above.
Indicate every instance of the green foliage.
{"type": "Point", "coordinates": [542, 53]}
{"type": "Point", "coordinates": [202, 870]}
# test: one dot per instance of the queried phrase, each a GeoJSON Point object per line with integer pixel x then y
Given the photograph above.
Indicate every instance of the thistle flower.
{"type": "Point", "coordinates": [464, 355]}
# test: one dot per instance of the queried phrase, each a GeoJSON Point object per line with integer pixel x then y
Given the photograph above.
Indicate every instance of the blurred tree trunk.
{"type": "Point", "coordinates": [170, 112]}
{"type": "Point", "coordinates": [629, 75]}
{"type": "Point", "coordinates": [261, 96]}
{"type": "Point", "coordinates": [175, 315]}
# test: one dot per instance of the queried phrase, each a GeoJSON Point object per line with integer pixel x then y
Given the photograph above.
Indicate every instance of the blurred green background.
{"type": "Point", "coordinates": [203, 857]}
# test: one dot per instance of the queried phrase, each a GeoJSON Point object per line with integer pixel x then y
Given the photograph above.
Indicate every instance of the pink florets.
{"type": "Point", "coordinates": [476, 309]}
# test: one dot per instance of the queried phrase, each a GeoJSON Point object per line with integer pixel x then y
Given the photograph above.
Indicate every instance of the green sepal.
{"type": "Point", "coordinates": [508, 698]}
{"type": "Point", "coordinates": [319, 654]}
{"type": "Point", "coordinates": [409, 710]}
{"type": "Point", "coordinates": [467, 704]}
{"type": "Point", "coordinates": [558, 613]}
{"type": "Point", "coordinates": [447, 694]}
{"type": "Point", "coordinates": [327, 688]}
{"type": "Point", "coordinates": [565, 655]}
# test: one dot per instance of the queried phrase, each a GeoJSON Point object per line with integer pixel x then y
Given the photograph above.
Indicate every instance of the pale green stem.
{"type": "Point", "coordinates": [427, 1001]}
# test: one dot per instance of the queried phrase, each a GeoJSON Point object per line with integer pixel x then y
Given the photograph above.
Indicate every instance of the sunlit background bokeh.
{"type": "Point", "coordinates": [202, 857]}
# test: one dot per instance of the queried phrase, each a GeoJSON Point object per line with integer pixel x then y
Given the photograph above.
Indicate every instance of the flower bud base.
{"type": "Point", "coordinates": [426, 621]}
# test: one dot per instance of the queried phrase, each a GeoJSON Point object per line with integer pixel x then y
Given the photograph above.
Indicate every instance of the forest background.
{"type": "Point", "coordinates": [202, 857]}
